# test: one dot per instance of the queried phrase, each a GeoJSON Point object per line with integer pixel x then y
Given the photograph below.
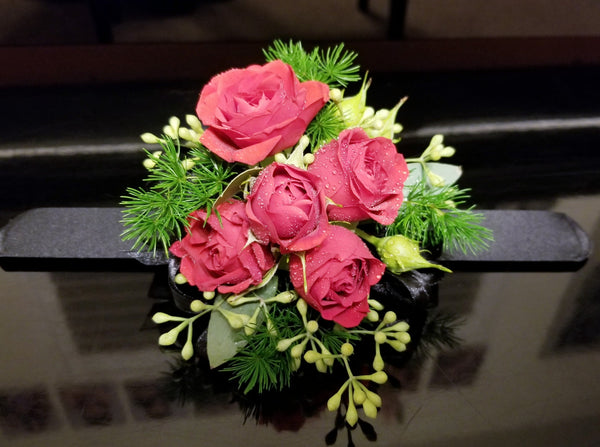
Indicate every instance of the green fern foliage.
{"type": "Point", "coordinates": [335, 66]}
{"type": "Point", "coordinates": [325, 127]}
{"type": "Point", "coordinates": [433, 217]}
{"type": "Point", "coordinates": [156, 215]}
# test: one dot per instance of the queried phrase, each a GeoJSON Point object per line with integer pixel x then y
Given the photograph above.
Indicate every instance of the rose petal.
{"type": "Point", "coordinates": [250, 155]}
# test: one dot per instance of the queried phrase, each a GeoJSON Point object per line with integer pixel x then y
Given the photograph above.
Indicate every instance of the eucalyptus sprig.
{"type": "Point", "coordinates": [334, 67]}
{"type": "Point", "coordinates": [432, 216]}
{"type": "Point", "coordinates": [271, 355]}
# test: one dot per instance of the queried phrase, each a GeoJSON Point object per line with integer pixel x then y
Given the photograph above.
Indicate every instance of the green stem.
{"type": "Point", "coordinates": [367, 237]}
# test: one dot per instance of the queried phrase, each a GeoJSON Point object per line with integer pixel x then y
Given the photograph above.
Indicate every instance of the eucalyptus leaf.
{"type": "Point", "coordinates": [449, 172]}
{"type": "Point", "coordinates": [269, 289]}
{"type": "Point", "coordinates": [222, 341]}
{"type": "Point", "coordinates": [236, 184]}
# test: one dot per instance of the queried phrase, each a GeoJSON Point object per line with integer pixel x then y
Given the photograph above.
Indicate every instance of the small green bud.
{"type": "Point", "coordinates": [296, 363]}
{"type": "Point", "coordinates": [351, 415]}
{"type": "Point", "coordinates": [369, 409]}
{"type": "Point", "coordinates": [149, 163]}
{"type": "Point", "coordinates": [168, 338]}
{"type": "Point", "coordinates": [312, 326]}
{"type": "Point", "coordinates": [284, 297]}
{"type": "Point", "coordinates": [359, 396]}
{"type": "Point", "coordinates": [436, 140]}
{"type": "Point", "coordinates": [436, 153]}
{"type": "Point", "coordinates": [250, 327]}
{"type": "Point", "coordinates": [271, 327]}
{"type": "Point", "coordinates": [379, 377]}
{"type": "Point", "coordinates": [378, 363]}
{"type": "Point", "coordinates": [208, 295]}
{"type": "Point", "coordinates": [448, 151]}
{"type": "Point", "coordinates": [397, 345]}
{"type": "Point", "coordinates": [180, 279]}
{"type": "Point", "coordinates": [297, 350]}
{"type": "Point", "coordinates": [174, 122]}
{"type": "Point", "coordinates": [161, 317]}
{"type": "Point", "coordinates": [283, 345]}
{"type": "Point", "coordinates": [334, 402]}
{"type": "Point", "coordinates": [336, 95]}
{"type": "Point", "coordinates": [150, 138]}
{"type": "Point", "coordinates": [347, 350]}
{"type": "Point", "coordinates": [188, 350]}
{"type": "Point", "coordinates": [326, 355]}
{"type": "Point", "coordinates": [194, 123]}
{"type": "Point", "coordinates": [368, 113]}
{"type": "Point", "coordinates": [321, 366]}
{"type": "Point", "coordinates": [374, 398]}
{"type": "Point", "coordinates": [372, 316]}
{"type": "Point", "coordinates": [380, 337]}
{"type": "Point", "coordinates": [382, 114]}
{"type": "Point", "coordinates": [235, 320]}
{"type": "Point", "coordinates": [187, 164]}
{"type": "Point", "coordinates": [311, 356]}
{"type": "Point", "coordinates": [170, 132]}
{"type": "Point", "coordinates": [308, 159]}
{"type": "Point", "coordinates": [403, 337]}
{"type": "Point", "coordinates": [302, 307]}
{"type": "Point", "coordinates": [401, 326]}
{"type": "Point", "coordinates": [374, 304]}
{"type": "Point", "coordinates": [435, 180]}
{"type": "Point", "coordinates": [280, 158]}
{"type": "Point", "coordinates": [197, 306]}
{"type": "Point", "coordinates": [186, 134]}
{"type": "Point", "coordinates": [303, 142]}
{"type": "Point", "coordinates": [389, 317]}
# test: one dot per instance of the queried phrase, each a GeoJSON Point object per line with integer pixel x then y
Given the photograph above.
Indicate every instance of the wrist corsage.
{"type": "Point", "coordinates": [285, 209]}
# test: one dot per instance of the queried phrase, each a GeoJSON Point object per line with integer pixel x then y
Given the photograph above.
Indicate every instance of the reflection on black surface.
{"type": "Point", "coordinates": [91, 404]}
{"type": "Point", "coordinates": [582, 328]}
{"type": "Point", "coordinates": [457, 368]}
{"type": "Point", "coordinates": [26, 411]}
{"type": "Point", "coordinates": [101, 314]}
{"type": "Point", "coordinates": [149, 400]}
{"type": "Point", "coordinates": [413, 296]}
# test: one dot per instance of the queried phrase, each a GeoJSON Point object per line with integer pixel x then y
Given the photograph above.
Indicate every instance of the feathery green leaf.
{"type": "Point", "coordinates": [153, 217]}
{"type": "Point", "coordinates": [335, 66]}
{"type": "Point", "coordinates": [433, 217]}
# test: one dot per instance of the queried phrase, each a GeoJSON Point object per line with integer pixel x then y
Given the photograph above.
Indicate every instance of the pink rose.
{"type": "Point", "coordinates": [286, 206]}
{"type": "Point", "coordinates": [214, 254]}
{"type": "Point", "coordinates": [363, 176]}
{"type": "Point", "coordinates": [255, 112]}
{"type": "Point", "coordinates": [339, 276]}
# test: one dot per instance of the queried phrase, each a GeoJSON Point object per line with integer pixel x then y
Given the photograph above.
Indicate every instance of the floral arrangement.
{"type": "Point", "coordinates": [283, 203]}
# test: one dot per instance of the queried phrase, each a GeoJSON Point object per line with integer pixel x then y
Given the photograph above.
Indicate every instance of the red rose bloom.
{"type": "Point", "coordinates": [255, 112]}
{"type": "Point", "coordinates": [363, 176]}
{"type": "Point", "coordinates": [286, 206]}
{"type": "Point", "coordinates": [214, 254]}
{"type": "Point", "coordinates": [339, 275]}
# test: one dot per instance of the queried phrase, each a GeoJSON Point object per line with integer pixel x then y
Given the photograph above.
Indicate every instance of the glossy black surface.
{"type": "Point", "coordinates": [80, 364]}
